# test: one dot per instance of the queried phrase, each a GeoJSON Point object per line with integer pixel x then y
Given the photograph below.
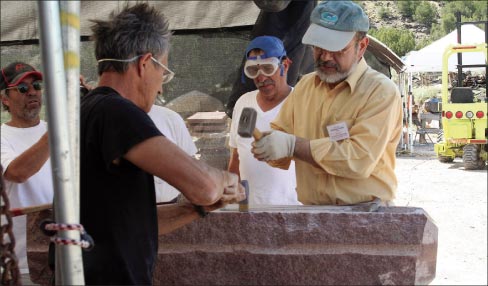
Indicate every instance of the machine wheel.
{"type": "Point", "coordinates": [471, 157]}
{"type": "Point", "coordinates": [446, 159]}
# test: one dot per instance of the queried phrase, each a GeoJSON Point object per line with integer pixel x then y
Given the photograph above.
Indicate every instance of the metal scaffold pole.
{"type": "Point", "coordinates": [410, 95]}
{"type": "Point", "coordinates": [60, 67]}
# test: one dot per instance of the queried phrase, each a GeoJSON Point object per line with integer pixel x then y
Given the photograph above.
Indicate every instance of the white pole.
{"type": "Point", "coordinates": [69, 263]}
{"type": "Point", "coordinates": [70, 28]}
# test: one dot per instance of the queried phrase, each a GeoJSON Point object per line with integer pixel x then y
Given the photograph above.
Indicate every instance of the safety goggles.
{"type": "Point", "coordinates": [167, 77]}
{"type": "Point", "coordinates": [267, 67]}
{"type": "Point", "coordinates": [23, 87]}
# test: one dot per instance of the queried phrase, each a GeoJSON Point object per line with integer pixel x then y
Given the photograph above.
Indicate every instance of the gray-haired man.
{"type": "Point", "coordinates": [343, 121]}
{"type": "Point", "coordinates": [121, 150]}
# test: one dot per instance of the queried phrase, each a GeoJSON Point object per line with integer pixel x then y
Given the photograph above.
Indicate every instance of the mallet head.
{"type": "Point", "coordinates": [247, 122]}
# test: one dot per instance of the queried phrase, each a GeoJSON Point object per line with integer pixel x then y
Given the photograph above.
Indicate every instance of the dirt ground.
{"type": "Point", "coordinates": [456, 200]}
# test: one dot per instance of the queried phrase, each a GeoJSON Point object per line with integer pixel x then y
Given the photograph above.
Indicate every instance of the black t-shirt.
{"type": "Point", "coordinates": [117, 200]}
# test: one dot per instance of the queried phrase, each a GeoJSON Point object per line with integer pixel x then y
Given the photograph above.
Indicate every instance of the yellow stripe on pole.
{"type": "Point", "coordinates": [71, 60]}
{"type": "Point", "coordinates": [70, 19]}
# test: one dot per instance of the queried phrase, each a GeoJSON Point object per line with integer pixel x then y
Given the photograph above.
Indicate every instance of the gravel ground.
{"type": "Point", "coordinates": [456, 200]}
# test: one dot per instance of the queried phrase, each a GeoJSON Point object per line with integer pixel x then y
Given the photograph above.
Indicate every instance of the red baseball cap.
{"type": "Point", "coordinates": [15, 72]}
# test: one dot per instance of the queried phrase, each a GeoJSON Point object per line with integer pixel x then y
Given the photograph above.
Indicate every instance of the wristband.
{"type": "Point", "coordinates": [200, 210]}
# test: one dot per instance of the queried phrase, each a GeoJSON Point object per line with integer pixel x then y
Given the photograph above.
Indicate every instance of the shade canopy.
{"type": "Point", "coordinates": [429, 59]}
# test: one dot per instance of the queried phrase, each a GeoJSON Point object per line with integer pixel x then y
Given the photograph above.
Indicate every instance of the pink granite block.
{"type": "Point", "coordinates": [301, 246]}
{"type": "Point", "coordinates": [294, 245]}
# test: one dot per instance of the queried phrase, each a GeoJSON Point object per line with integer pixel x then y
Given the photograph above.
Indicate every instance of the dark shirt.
{"type": "Point", "coordinates": [117, 200]}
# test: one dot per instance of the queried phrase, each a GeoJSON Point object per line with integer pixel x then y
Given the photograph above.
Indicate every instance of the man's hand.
{"type": "Point", "coordinates": [234, 192]}
{"type": "Point", "coordinates": [274, 145]}
{"type": "Point", "coordinates": [173, 216]}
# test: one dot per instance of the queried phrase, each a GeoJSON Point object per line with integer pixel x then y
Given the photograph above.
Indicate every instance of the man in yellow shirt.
{"type": "Point", "coordinates": [342, 123]}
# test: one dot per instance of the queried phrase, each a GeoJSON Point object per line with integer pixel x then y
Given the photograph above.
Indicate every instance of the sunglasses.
{"type": "Point", "coordinates": [23, 87]}
{"type": "Point", "coordinates": [339, 53]}
{"type": "Point", "coordinates": [267, 67]}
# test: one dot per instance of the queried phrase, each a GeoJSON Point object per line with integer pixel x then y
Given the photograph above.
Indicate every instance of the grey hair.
{"type": "Point", "coordinates": [134, 31]}
{"type": "Point", "coordinates": [360, 35]}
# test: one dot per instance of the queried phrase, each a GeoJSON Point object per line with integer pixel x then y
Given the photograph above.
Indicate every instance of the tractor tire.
{"type": "Point", "coordinates": [471, 157]}
{"type": "Point", "coordinates": [446, 159]}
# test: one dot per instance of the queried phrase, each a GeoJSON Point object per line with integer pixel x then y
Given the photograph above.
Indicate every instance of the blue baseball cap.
{"type": "Point", "coordinates": [334, 24]}
{"type": "Point", "coordinates": [271, 46]}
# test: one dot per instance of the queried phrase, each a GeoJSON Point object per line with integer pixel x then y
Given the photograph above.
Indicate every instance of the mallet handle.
{"type": "Point", "coordinates": [257, 134]}
{"type": "Point", "coordinates": [28, 210]}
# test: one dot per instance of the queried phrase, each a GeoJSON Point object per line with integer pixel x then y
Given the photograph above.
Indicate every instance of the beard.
{"type": "Point", "coordinates": [31, 114]}
{"type": "Point", "coordinates": [336, 77]}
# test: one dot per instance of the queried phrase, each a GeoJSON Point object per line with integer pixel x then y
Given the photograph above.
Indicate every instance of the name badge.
{"type": "Point", "coordinates": [338, 131]}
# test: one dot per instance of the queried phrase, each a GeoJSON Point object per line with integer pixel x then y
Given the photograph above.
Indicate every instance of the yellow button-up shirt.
{"type": "Point", "coordinates": [355, 169]}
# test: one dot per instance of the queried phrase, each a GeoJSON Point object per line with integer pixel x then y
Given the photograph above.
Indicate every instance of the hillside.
{"type": "Point", "coordinates": [395, 19]}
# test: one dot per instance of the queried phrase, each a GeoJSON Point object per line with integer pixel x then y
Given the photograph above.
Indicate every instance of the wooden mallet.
{"type": "Point", "coordinates": [247, 128]}
{"type": "Point", "coordinates": [29, 210]}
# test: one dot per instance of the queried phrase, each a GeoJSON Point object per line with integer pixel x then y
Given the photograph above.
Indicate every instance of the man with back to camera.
{"type": "Point", "coordinates": [121, 150]}
{"type": "Point", "coordinates": [341, 123]}
{"type": "Point", "coordinates": [173, 127]}
{"type": "Point", "coordinates": [24, 150]}
{"type": "Point", "coordinates": [267, 65]}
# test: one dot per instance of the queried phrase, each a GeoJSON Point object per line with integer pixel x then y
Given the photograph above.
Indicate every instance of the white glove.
{"type": "Point", "coordinates": [274, 145]}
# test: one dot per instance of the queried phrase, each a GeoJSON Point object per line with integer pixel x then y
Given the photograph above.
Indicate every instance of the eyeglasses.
{"type": "Point", "coordinates": [267, 67]}
{"type": "Point", "coordinates": [167, 77]}
{"type": "Point", "coordinates": [339, 53]}
{"type": "Point", "coordinates": [24, 87]}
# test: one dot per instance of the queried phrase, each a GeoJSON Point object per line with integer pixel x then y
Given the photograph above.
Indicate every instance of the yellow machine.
{"type": "Point", "coordinates": [464, 116]}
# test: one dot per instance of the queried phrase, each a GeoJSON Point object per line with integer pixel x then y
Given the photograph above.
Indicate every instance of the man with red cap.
{"type": "Point", "coordinates": [24, 149]}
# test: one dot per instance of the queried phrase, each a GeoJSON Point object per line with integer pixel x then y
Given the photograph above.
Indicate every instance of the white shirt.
{"type": "Point", "coordinates": [267, 185]}
{"type": "Point", "coordinates": [37, 190]}
{"type": "Point", "coordinates": [172, 125]}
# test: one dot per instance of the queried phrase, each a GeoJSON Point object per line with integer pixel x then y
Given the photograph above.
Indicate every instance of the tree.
{"type": "Point", "coordinates": [425, 14]}
{"type": "Point", "coordinates": [383, 12]}
{"type": "Point", "coordinates": [470, 11]}
{"type": "Point", "coordinates": [399, 41]}
{"type": "Point", "coordinates": [406, 8]}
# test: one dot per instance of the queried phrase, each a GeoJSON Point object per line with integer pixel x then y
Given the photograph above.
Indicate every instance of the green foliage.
{"type": "Point", "coordinates": [441, 22]}
{"type": "Point", "coordinates": [383, 13]}
{"type": "Point", "coordinates": [423, 43]}
{"type": "Point", "coordinates": [425, 14]}
{"type": "Point", "coordinates": [470, 11]}
{"type": "Point", "coordinates": [400, 41]}
{"type": "Point", "coordinates": [406, 8]}
{"type": "Point", "coordinates": [422, 93]}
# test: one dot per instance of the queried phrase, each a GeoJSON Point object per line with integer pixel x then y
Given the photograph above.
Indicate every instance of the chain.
{"type": "Point", "coordinates": [8, 261]}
